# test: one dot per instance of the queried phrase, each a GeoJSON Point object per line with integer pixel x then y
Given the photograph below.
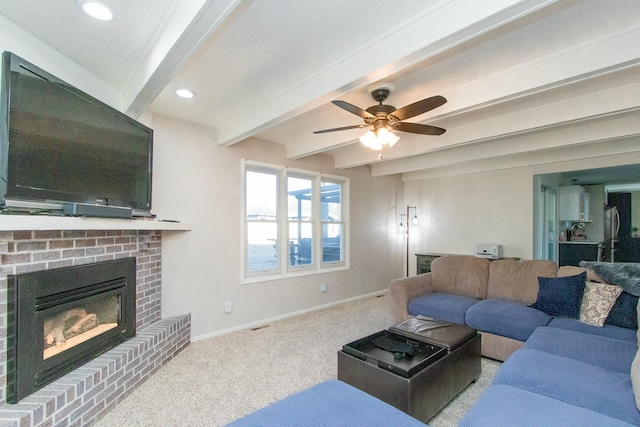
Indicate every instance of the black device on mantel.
{"type": "Point", "coordinates": [64, 150]}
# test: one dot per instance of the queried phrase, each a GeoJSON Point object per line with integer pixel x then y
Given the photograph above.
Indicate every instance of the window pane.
{"type": "Point", "coordinates": [332, 242]}
{"type": "Point", "coordinates": [300, 243]}
{"type": "Point", "coordinates": [299, 198]}
{"type": "Point", "coordinates": [262, 239]}
{"type": "Point", "coordinates": [331, 201]}
{"type": "Point", "coordinates": [261, 195]}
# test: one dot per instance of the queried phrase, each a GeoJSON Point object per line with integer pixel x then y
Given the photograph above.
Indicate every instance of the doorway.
{"type": "Point", "coordinates": [543, 202]}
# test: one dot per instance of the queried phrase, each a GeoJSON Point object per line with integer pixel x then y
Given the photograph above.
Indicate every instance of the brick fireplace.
{"type": "Point", "coordinates": [85, 394]}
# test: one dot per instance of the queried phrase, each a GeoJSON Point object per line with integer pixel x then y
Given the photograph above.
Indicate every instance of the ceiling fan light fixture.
{"type": "Point", "coordinates": [376, 140]}
{"type": "Point", "coordinates": [96, 9]}
{"type": "Point", "coordinates": [386, 118]}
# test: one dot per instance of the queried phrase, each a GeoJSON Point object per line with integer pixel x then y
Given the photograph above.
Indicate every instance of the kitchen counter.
{"type": "Point", "coordinates": [582, 242]}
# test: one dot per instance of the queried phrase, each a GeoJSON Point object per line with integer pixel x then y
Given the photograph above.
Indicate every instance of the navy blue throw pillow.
{"type": "Point", "coordinates": [561, 296]}
{"type": "Point", "coordinates": [623, 313]}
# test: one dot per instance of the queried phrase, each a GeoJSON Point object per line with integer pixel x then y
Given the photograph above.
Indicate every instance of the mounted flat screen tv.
{"type": "Point", "coordinates": [61, 148]}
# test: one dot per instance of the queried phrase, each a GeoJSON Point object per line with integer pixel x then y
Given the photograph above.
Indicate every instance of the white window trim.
{"type": "Point", "coordinates": [285, 271]}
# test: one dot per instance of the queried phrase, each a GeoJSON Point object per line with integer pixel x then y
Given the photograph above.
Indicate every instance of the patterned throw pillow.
{"type": "Point", "coordinates": [597, 302]}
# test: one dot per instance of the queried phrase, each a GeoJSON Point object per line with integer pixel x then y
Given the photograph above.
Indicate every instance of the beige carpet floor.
{"type": "Point", "coordinates": [217, 380]}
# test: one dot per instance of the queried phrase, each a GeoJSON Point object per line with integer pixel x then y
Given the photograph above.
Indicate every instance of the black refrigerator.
{"type": "Point", "coordinates": [611, 231]}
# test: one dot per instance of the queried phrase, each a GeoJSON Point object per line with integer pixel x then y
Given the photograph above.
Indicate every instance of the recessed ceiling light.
{"type": "Point", "coordinates": [185, 93]}
{"type": "Point", "coordinates": [96, 9]}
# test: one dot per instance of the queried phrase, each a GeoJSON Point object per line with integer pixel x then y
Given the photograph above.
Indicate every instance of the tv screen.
{"type": "Point", "coordinates": [60, 145]}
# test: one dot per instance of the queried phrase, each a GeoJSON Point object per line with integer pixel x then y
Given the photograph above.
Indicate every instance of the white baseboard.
{"type": "Point", "coordinates": [284, 316]}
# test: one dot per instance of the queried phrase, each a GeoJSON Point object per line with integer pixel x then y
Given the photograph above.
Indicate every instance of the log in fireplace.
{"type": "Point", "coordinates": [60, 319]}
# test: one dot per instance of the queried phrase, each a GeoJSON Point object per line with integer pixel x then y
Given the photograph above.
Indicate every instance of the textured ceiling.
{"type": "Point", "coordinates": [522, 78]}
{"type": "Point", "coordinates": [266, 49]}
{"type": "Point", "coordinates": [110, 50]}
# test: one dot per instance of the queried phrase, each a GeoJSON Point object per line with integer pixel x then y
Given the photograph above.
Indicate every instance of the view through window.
{"type": "Point", "coordinates": [294, 220]}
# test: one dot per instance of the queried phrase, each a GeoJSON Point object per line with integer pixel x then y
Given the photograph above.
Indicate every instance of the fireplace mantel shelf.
{"type": "Point", "coordinates": [42, 222]}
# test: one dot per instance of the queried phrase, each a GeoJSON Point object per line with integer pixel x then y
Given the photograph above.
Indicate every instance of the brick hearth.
{"type": "Point", "coordinates": [86, 394]}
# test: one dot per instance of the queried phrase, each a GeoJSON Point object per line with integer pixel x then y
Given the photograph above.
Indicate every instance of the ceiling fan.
{"type": "Point", "coordinates": [386, 118]}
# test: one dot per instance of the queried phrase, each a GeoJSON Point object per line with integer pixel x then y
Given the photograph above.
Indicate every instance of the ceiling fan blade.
{"type": "Point", "coordinates": [353, 109]}
{"type": "Point", "coordinates": [342, 128]}
{"type": "Point", "coordinates": [418, 128]}
{"type": "Point", "coordinates": [419, 107]}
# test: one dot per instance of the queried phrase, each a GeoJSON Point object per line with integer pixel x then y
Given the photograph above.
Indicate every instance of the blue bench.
{"type": "Point", "coordinates": [330, 403]}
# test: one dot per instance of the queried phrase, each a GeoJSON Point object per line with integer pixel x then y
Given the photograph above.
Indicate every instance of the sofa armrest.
{"type": "Point", "coordinates": [405, 289]}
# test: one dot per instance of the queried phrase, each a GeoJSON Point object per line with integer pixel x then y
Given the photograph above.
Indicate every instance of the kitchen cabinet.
{"type": "Point", "coordinates": [573, 204]}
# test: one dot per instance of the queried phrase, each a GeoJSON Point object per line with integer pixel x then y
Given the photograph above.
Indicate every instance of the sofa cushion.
{"type": "Point", "coordinates": [451, 308]}
{"type": "Point", "coordinates": [505, 406]}
{"type": "Point", "coordinates": [518, 280]}
{"type": "Point", "coordinates": [597, 302]}
{"type": "Point", "coordinates": [330, 403]}
{"type": "Point", "coordinates": [571, 381]}
{"type": "Point", "coordinates": [506, 318]}
{"type": "Point", "coordinates": [561, 296]}
{"type": "Point", "coordinates": [463, 275]}
{"type": "Point", "coordinates": [605, 352]}
{"type": "Point", "coordinates": [610, 331]}
{"type": "Point", "coordinates": [623, 313]}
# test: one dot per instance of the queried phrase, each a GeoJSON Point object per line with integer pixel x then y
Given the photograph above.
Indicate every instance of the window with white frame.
{"type": "Point", "coordinates": [295, 221]}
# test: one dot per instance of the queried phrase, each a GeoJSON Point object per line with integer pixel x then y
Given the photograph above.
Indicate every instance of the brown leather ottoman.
{"type": "Point", "coordinates": [446, 359]}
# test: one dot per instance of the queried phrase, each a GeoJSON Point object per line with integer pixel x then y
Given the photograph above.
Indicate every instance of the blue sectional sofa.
{"type": "Point", "coordinates": [569, 344]}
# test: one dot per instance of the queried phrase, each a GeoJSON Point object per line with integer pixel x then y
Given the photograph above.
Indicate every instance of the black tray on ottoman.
{"type": "Point", "coordinates": [446, 359]}
{"type": "Point", "coordinates": [372, 350]}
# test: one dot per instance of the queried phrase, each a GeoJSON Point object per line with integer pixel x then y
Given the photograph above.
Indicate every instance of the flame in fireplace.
{"type": "Point", "coordinates": [76, 325]}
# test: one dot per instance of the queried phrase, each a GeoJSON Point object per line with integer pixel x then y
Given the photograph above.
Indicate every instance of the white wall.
{"type": "Point", "coordinates": [200, 182]}
{"type": "Point", "coordinates": [459, 211]}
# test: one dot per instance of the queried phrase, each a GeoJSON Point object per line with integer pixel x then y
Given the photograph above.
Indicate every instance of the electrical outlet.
{"type": "Point", "coordinates": [324, 287]}
{"type": "Point", "coordinates": [228, 307]}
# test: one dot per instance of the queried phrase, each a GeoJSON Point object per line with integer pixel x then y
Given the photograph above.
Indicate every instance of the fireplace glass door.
{"type": "Point", "coordinates": [66, 325]}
